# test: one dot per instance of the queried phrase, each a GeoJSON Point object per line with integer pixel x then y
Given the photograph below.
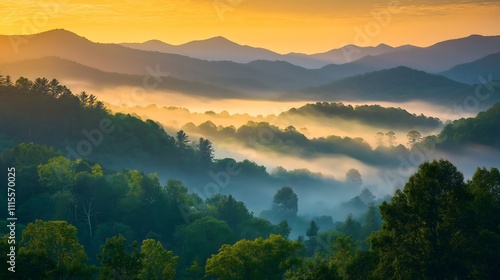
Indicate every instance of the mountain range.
{"type": "Point", "coordinates": [435, 58]}
{"type": "Point", "coordinates": [222, 49]}
{"type": "Point", "coordinates": [220, 68]}
{"type": "Point", "coordinates": [395, 84]}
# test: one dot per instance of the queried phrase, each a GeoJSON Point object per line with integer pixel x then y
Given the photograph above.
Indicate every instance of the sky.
{"type": "Point", "coordinates": [306, 26]}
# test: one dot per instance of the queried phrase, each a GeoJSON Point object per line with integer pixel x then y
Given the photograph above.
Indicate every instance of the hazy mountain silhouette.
{"type": "Point", "coordinates": [257, 79]}
{"type": "Point", "coordinates": [71, 72]}
{"type": "Point", "coordinates": [396, 84]}
{"type": "Point", "coordinates": [345, 54]}
{"type": "Point", "coordinates": [472, 72]}
{"type": "Point", "coordinates": [119, 59]}
{"type": "Point", "coordinates": [214, 49]}
{"type": "Point", "coordinates": [260, 79]}
{"type": "Point", "coordinates": [438, 57]}
{"type": "Point", "coordinates": [222, 49]}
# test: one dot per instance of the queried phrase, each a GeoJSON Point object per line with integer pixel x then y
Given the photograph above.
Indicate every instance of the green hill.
{"type": "Point", "coordinates": [377, 115]}
{"type": "Point", "coordinates": [482, 129]}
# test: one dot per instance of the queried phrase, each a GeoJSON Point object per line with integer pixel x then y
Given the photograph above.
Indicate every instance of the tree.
{"type": "Point", "coordinates": [319, 267]}
{"type": "Point", "coordinates": [55, 89]}
{"type": "Point", "coordinates": [181, 141]}
{"type": "Point", "coordinates": [285, 203]}
{"type": "Point", "coordinates": [353, 178]}
{"type": "Point", "coordinates": [483, 255]}
{"type": "Point", "coordinates": [343, 254]}
{"type": "Point", "coordinates": [57, 175]}
{"type": "Point", "coordinates": [83, 97]}
{"type": "Point", "coordinates": [40, 86]}
{"type": "Point", "coordinates": [290, 129]}
{"type": "Point", "coordinates": [311, 233]}
{"type": "Point", "coordinates": [200, 239]}
{"type": "Point", "coordinates": [414, 137]}
{"type": "Point", "coordinates": [117, 262]}
{"type": "Point", "coordinates": [366, 196]}
{"type": "Point", "coordinates": [371, 220]}
{"type": "Point", "coordinates": [361, 266]}
{"type": "Point", "coordinates": [283, 229]}
{"type": "Point", "coordinates": [56, 243]}
{"type": "Point", "coordinates": [379, 138]}
{"type": "Point", "coordinates": [24, 85]}
{"type": "Point", "coordinates": [232, 212]}
{"type": "Point", "coordinates": [157, 263]}
{"type": "Point", "coordinates": [256, 259]}
{"type": "Point", "coordinates": [350, 227]}
{"type": "Point", "coordinates": [206, 151]}
{"type": "Point", "coordinates": [425, 229]}
{"type": "Point", "coordinates": [391, 138]}
{"type": "Point", "coordinates": [260, 227]}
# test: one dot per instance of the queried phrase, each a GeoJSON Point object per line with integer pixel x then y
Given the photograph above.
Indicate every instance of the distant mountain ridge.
{"type": "Point", "coordinates": [438, 57]}
{"type": "Point", "coordinates": [95, 79]}
{"type": "Point", "coordinates": [474, 72]}
{"type": "Point", "coordinates": [435, 58]}
{"type": "Point", "coordinates": [396, 84]}
{"type": "Point", "coordinates": [222, 49]}
{"type": "Point", "coordinates": [258, 79]}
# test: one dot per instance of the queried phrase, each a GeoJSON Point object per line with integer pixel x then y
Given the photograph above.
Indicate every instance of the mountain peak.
{"type": "Point", "coordinates": [382, 45]}
{"type": "Point", "coordinates": [215, 40]}
{"type": "Point", "coordinates": [59, 35]}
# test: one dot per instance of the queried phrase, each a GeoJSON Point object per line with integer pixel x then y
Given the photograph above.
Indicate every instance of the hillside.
{"type": "Point", "coordinates": [480, 130]}
{"type": "Point", "coordinates": [396, 84]}
{"type": "Point", "coordinates": [374, 115]}
{"type": "Point", "coordinates": [440, 56]}
{"type": "Point", "coordinates": [472, 72]}
{"type": "Point", "coordinates": [70, 72]}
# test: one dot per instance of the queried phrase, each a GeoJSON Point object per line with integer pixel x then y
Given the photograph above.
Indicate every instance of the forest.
{"type": "Point", "coordinates": [103, 195]}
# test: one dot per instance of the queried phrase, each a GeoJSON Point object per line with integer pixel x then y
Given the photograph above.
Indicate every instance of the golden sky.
{"type": "Point", "coordinates": [307, 26]}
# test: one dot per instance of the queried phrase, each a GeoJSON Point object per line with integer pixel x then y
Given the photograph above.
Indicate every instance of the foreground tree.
{"type": "Point", "coordinates": [200, 239]}
{"type": "Point", "coordinates": [425, 230]}
{"type": "Point", "coordinates": [157, 263]}
{"type": "Point", "coordinates": [484, 255]}
{"type": "Point", "coordinates": [53, 248]}
{"type": "Point", "coordinates": [257, 259]}
{"type": "Point", "coordinates": [117, 262]}
{"type": "Point", "coordinates": [319, 267]}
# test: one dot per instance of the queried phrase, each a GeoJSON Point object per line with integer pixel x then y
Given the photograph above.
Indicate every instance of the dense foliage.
{"type": "Point", "coordinates": [375, 115]}
{"type": "Point", "coordinates": [290, 141]}
{"type": "Point", "coordinates": [79, 219]}
{"type": "Point", "coordinates": [479, 130]}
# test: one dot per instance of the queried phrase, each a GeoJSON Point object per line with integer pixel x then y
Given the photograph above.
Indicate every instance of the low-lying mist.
{"type": "Point", "coordinates": [325, 191]}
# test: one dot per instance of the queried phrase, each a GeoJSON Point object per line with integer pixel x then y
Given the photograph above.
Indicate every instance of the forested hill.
{"type": "Point", "coordinates": [46, 112]}
{"type": "Point", "coordinates": [79, 126]}
{"type": "Point", "coordinates": [79, 220]}
{"type": "Point", "coordinates": [481, 130]}
{"type": "Point", "coordinates": [375, 115]}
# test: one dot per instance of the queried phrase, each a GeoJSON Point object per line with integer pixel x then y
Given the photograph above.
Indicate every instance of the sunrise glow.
{"type": "Point", "coordinates": [281, 26]}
